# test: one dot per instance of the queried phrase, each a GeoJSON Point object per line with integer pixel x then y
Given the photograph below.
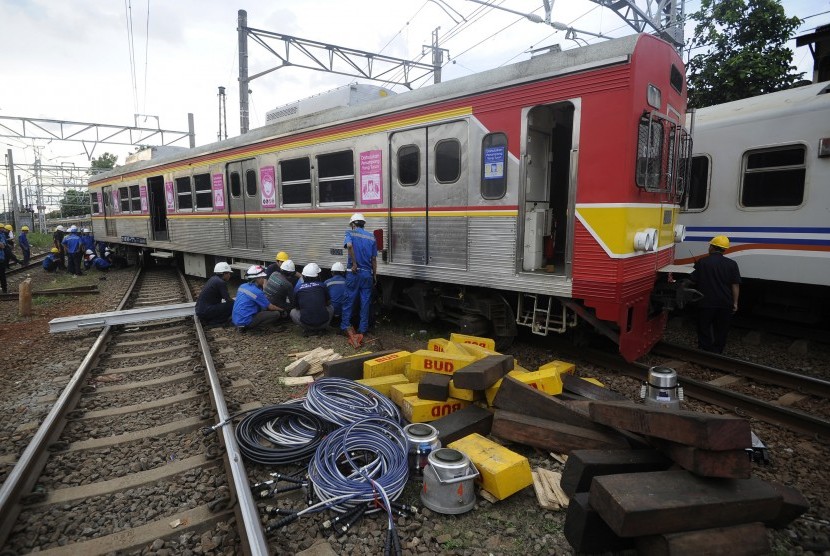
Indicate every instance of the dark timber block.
{"type": "Point", "coordinates": [587, 532]}
{"type": "Point", "coordinates": [639, 504]}
{"type": "Point", "coordinates": [550, 435]}
{"type": "Point", "coordinates": [434, 386]}
{"type": "Point", "coordinates": [793, 505]}
{"type": "Point", "coordinates": [351, 367]}
{"type": "Point", "coordinates": [741, 540]}
{"type": "Point", "coordinates": [464, 422]}
{"type": "Point", "coordinates": [301, 369]}
{"type": "Point", "coordinates": [481, 374]}
{"type": "Point", "coordinates": [575, 385]}
{"type": "Point", "coordinates": [583, 465]}
{"type": "Point", "coordinates": [518, 397]}
{"type": "Point", "coordinates": [725, 464]}
{"type": "Point", "coordinates": [701, 430]}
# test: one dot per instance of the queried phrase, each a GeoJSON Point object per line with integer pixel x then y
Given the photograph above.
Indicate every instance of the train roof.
{"type": "Point", "coordinates": [611, 52]}
{"type": "Point", "coordinates": [805, 99]}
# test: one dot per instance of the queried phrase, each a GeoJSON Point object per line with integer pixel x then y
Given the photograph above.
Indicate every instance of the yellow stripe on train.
{"type": "Point", "coordinates": [614, 225]}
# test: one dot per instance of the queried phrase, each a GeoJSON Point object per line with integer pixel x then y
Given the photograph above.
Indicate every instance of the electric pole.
{"type": "Point", "coordinates": [437, 56]}
{"type": "Point", "coordinates": [223, 115]}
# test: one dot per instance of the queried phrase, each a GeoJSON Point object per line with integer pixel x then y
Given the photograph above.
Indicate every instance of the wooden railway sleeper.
{"type": "Point", "coordinates": [59, 446]}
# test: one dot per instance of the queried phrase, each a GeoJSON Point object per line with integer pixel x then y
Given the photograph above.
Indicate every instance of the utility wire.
{"type": "Point", "coordinates": [146, 55]}
{"type": "Point", "coordinates": [131, 50]}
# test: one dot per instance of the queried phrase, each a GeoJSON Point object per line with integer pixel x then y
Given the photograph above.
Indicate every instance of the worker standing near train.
{"type": "Point", "coordinates": [74, 250]}
{"type": "Point", "coordinates": [3, 285]}
{"type": "Point", "coordinates": [718, 279]}
{"type": "Point", "coordinates": [215, 305]}
{"type": "Point", "coordinates": [50, 262]}
{"type": "Point", "coordinates": [88, 239]}
{"type": "Point", "coordinates": [57, 241]}
{"type": "Point", "coordinates": [281, 257]}
{"type": "Point", "coordinates": [313, 312]}
{"type": "Point", "coordinates": [25, 247]}
{"type": "Point", "coordinates": [8, 234]}
{"type": "Point", "coordinates": [360, 281]}
{"type": "Point", "coordinates": [336, 286]}
{"type": "Point", "coordinates": [251, 308]}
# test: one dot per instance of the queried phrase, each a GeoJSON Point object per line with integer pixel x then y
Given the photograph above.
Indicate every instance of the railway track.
{"type": "Point", "coordinates": [120, 461]}
{"type": "Point", "coordinates": [34, 262]}
{"type": "Point", "coordinates": [728, 373]}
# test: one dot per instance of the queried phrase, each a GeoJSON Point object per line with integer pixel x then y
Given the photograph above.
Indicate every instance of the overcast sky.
{"type": "Point", "coordinates": [71, 60]}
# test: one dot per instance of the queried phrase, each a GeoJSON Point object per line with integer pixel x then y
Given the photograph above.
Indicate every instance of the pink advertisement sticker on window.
{"type": "Point", "coordinates": [269, 189]}
{"type": "Point", "coordinates": [142, 193]}
{"type": "Point", "coordinates": [371, 177]}
{"type": "Point", "coordinates": [218, 192]}
{"type": "Point", "coordinates": [170, 197]}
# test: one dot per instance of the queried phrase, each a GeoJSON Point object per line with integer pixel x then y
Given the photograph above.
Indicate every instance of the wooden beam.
{"type": "Point", "coordinates": [580, 387]}
{"type": "Point", "coordinates": [351, 367]}
{"type": "Point", "coordinates": [464, 422]}
{"type": "Point", "coordinates": [550, 435]}
{"type": "Point", "coordinates": [587, 532]}
{"type": "Point", "coordinates": [749, 539]}
{"type": "Point", "coordinates": [726, 464]}
{"type": "Point", "coordinates": [583, 465]}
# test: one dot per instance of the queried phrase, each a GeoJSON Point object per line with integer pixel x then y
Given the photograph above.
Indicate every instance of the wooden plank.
{"type": "Point", "coordinates": [481, 374]}
{"type": "Point", "coordinates": [726, 464]}
{"type": "Point", "coordinates": [580, 387]}
{"type": "Point", "coordinates": [702, 430]}
{"type": "Point", "coordinates": [550, 435]}
{"type": "Point", "coordinates": [464, 422]}
{"type": "Point", "coordinates": [791, 398]}
{"type": "Point", "coordinates": [434, 386]}
{"type": "Point", "coordinates": [542, 495]}
{"type": "Point", "coordinates": [793, 504]}
{"type": "Point", "coordinates": [351, 367]}
{"type": "Point", "coordinates": [638, 504]}
{"type": "Point", "coordinates": [300, 369]}
{"type": "Point", "coordinates": [587, 532]}
{"type": "Point", "coordinates": [749, 539]}
{"type": "Point", "coordinates": [295, 380]}
{"type": "Point", "coordinates": [584, 465]}
{"type": "Point", "coordinates": [726, 380]}
{"type": "Point", "coordinates": [551, 480]}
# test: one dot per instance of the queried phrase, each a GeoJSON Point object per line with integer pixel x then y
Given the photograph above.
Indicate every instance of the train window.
{"type": "Point", "coordinates": [494, 166]}
{"type": "Point", "coordinates": [236, 185]}
{"type": "Point", "coordinates": [447, 160]}
{"type": "Point", "coordinates": [184, 193]}
{"type": "Point", "coordinates": [93, 198]}
{"type": "Point", "coordinates": [649, 153]}
{"type": "Point", "coordinates": [135, 199]}
{"type": "Point", "coordinates": [295, 181]}
{"type": "Point", "coordinates": [335, 177]}
{"type": "Point", "coordinates": [250, 183]}
{"type": "Point", "coordinates": [204, 195]}
{"type": "Point", "coordinates": [409, 165]}
{"type": "Point", "coordinates": [774, 177]}
{"type": "Point", "coordinates": [696, 196]}
{"type": "Point", "coordinates": [676, 79]}
{"type": "Point", "coordinates": [124, 196]}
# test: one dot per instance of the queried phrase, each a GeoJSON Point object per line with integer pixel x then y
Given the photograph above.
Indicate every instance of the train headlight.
{"type": "Point", "coordinates": [654, 97]}
{"type": "Point", "coordinates": [679, 233]}
{"type": "Point", "coordinates": [646, 240]}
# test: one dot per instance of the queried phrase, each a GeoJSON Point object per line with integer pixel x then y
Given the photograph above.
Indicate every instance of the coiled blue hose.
{"type": "Point", "coordinates": [343, 401]}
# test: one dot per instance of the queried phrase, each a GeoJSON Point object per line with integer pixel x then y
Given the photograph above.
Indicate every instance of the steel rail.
{"type": "Point", "coordinates": [32, 264]}
{"type": "Point", "coordinates": [254, 534]}
{"type": "Point", "coordinates": [740, 404]}
{"type": "Point", "coordinates": [28, 468]}
{"type": "Point", "coordinates": [761, 373]}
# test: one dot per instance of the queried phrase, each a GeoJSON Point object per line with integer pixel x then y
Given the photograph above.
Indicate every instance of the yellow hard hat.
{"type": "Point", "coordinates": [8, 226]}
{"type": "Point", "coordinates": [282, 256]}
{"type": "Point", "coordinates": [24, 229]}
{"type": "Point", "coordinates": [720, 241]}
{"type": "Point", "coordinates": [55, 250]}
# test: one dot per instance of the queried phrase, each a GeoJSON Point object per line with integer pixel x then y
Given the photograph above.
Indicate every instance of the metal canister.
{"type": "Point", "coordinates": [422, 440]}
{"type": "Point", "coordinates": [661, 389]}
{"type": "Point", "coordinates": [449, 482]}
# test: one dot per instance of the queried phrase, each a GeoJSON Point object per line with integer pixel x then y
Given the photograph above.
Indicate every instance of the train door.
{"type": "Point", "coordinates": [548, 194]}
{"type": "Point", "coordinates": [428, 221]}
{"type": "Point", "coordinates": [109, 221]}
{"type": "Point", "coordinates": [158, 208]}
{"type": "Point", "coordinates": [244, 205]}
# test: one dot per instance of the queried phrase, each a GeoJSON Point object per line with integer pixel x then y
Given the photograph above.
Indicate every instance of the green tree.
{"type": "Point", "coordinates": [75, 203]}
{"type": "Point", "coordinates": [103, 163]}
{"type": "Point", "coordinates": [746, 53]}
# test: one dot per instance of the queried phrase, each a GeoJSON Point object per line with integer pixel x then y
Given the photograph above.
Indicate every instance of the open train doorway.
{"type": "Point", "coordinates": [158, 208]}
{"type": "Point", "coordinates": [548, 189]}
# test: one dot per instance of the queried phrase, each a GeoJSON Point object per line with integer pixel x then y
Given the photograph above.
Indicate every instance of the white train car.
{"type": "Point", "coordinates": [761, 176]}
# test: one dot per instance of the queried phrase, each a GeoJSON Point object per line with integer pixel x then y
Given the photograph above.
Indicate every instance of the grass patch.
{"type": "Point", "coordinates": [40, 241]}
{"type": "Point", "coordinates": [65, 280]}
{"type": "Point", "coordinates": [47, 300]}
{"type": "Point", "coordinates": [453, 543]}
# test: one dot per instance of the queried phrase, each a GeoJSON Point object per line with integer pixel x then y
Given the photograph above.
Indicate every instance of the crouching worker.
{"type": "Point", "coordinates": [251, 308]}
{"type": "Point", "coordinates": [52, 261]}
{"type": "Point", "coordinates": [214, 306]}
{"type": "Point", "coordinates": [313, 311]}
{"type": "Point", "coordinates": [336, 285]}
{"type": "Point", "coordinates": [93, 261]}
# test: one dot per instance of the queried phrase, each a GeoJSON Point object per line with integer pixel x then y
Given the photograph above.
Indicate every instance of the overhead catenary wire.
{"type": "Point", "coordinates": [128, 11]}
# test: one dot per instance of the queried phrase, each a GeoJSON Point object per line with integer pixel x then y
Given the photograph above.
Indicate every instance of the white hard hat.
{"type": "Point", "coordinates": [338, 267]}
{"type": "Point", "coordinates": [86, 230]}
{"type": "Point", "coordinates": [73, 228]}
{"type": "Point", "coordinates": [221, 268]}
{"type": "Point", "coordinates": [89, 252]}
{"type": "Point", "coordinates": [357, 216]}
{"type": "Point", "coordinates": [311, 270]}
{"type": "Point", "coordinates": [60, 228]}
{"type": "Point", "coordinates": [254, 271]}
{"type": "Point", "coordinates": [287, 266]}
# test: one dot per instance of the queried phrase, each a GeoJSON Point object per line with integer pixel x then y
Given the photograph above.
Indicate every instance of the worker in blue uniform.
{"type": "Point", "coordinates": [336, 286]}
{"type": "Point", "coordinates": [25, 247]}
{"type": "Point", "coordinates": [3, 285]}
{"type": "Point", "coordinates": [74, 250]}
{"type": "Point", "coordinates": [87, 239]}
{"type": "Point", "coordinates": [251, 308]}
{"type": "Point", "coordinates": [313, 312]}
{"type": "Point", "coordinates": [360, 280]}
{"type": "Point", "coordinates": [8, 237]}
{"type": "Point", "coordinates": [215, 305]}
{"type": "Point", "coordinates": [281, 257]}
{"type": "Point", "coordinates": [718, 279]}
{"type": "Point", "coordinates": [52, 261]}
{"type": "Point", "coordinates": [91, 260]}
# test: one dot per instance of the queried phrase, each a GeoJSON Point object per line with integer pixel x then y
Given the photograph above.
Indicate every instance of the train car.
{"type": "Point", "coordinates": [760, 176]}
{"type": "Point", "coordinates": [539, 194]}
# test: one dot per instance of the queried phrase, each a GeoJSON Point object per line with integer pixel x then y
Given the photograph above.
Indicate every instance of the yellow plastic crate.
{"type": "Point", "coordinates": [391, 364]}
{"type": "Point", "coordinates": [477, 351]}
{"type": "Point", "coordinates": [562, 366]}
{"type": "Point", "coordinates": [592, 381]}
{"type": "Point", "coordinates": [404, 390]}
{"type": "Point", "coordinates": [502, 472]}
{"type": "Point", "coordinates": [438, 362]}
{"type": "Point", "coordinates": [416, 410]}
{"type": "Point", "coordinates": [437, 344]}
{"type": "Point", "coordinates": [490, 393]}
{"type": "Point", "coordinates": [383, 384]}
{"type": "Point", "coordinates": [486, 343]}
{"type": "Point", "coordinates": [464, 394]}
